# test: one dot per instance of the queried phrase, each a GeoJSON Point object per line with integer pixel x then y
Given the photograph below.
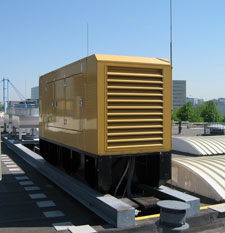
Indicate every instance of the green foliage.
{"type": "Point", "coordinates": [186, 112]}
{"type": "Point", "coordinates": [206, 112]}
{"type": "Point", "coordinates": [199, 109]}
{"type": "Point", "coordinates": [175, 117]}
{"type": "Point", "coordinates": [197, 116]}
{"type": "Point", "coordinates": [210, 112]}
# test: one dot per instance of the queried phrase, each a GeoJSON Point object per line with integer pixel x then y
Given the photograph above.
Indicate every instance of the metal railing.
{"type": "Point", "coordinates": [214, 128]}
{"type": "Point", "coordinates": [209, 128]}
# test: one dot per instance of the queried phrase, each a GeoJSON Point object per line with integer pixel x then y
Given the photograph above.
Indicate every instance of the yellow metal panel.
{"type": "Point", "coordinates": [74, 95]}
{"type": "Point", "coordinates": [58, 103]}
{"type": "Point", "coordinates": [135, 106]}
{"type": "Point", "coordinates": [101, 98]}
{"type": "Point", "coordinates": [107, 104]}
{"type": "Point", "coordinates": [91, 107]}
{"type": "Point", "coordinates": [167, 114]}
{"type": "Point", "coordinates": [130, 59]}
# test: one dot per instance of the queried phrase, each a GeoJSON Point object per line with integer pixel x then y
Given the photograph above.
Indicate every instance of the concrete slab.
{"type": "Point", "coordinates": [11, 166]}
{"type": "Point", "coordinates": [42, 204]}
{"type": "Point", "coordinates": [32, 188]}
{"type": "Point", "coordinates": [193, 201]}
{"type": "Point", "coordinates": [37, 196]}
{"type": "Point", "coordinates": [53, 214]}
{"type": "Point", "coordinates": [22, 178]}
{"type": "Point", "coordinates": [60, 226]}
{"type": "Point", "coordinates": [26, 183]}
{"type": "Point", "coordinates": [166, 193]}
{"type": "Point", "coordinates": [14, 169]}
{"type": "Point", "coordinates": [82, 229]}
{"type": "Point", "coordinates": [18, 173]}
{"type": "Point", "coordinates": [11, 162]}
{"type": "Point", "coordinates": [218, 208]}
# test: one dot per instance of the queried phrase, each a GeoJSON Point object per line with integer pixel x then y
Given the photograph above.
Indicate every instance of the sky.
{"type": "Point", "coordinates": [38, 36]}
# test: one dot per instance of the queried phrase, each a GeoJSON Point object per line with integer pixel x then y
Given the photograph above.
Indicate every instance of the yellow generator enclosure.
{"type": "Point", "coordinates": [108, 105]}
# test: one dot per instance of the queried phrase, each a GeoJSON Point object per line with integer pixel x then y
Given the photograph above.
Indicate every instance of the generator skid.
{"type": "Point", "coordinates": [107, 120]}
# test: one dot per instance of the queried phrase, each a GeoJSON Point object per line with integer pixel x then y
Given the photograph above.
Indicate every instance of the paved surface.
{"type": "Point", "coordinates": [187, 131]}
{"type": "Point", "coordinates": [31, 203]}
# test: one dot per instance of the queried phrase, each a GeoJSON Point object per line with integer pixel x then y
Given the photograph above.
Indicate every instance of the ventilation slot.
{"type": "Point", "coordinates": [134, 108]}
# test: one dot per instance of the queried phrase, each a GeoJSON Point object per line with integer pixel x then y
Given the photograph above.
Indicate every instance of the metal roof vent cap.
{"type": "Point", "coordinates": [173, 216]}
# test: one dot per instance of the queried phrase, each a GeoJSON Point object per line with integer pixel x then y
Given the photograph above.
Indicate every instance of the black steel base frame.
{"type": "Point", "coordinates": [104, 172]}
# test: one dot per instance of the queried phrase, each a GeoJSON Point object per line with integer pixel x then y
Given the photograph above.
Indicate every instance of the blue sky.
{"type": "Point", "coordinates": [37, 36]}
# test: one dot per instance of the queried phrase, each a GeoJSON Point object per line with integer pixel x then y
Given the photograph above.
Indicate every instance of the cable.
{"type": "Point", "coordinates": [17, 91]}
{"type": "Point", "coordinates": [131, 173]}
{"type": "Point", "coordinates": [129, 179]}
{"type": "Point", "coordinates": [124, 174]}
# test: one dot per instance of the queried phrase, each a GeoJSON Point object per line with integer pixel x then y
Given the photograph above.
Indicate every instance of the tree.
{"type": "Point", "coordinates": [186, 112]}
{"type": "Point", "coordinates": [210, 112]}
{"type": "Point", "coordinates": [197, 116]}
{"type": "Point", "coordinates": [175, 117]}
{"type": "Point", "coordinates": [199, 109]}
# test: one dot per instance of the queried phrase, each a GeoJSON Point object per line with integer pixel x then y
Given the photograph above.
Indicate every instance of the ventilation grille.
{"type": "Point", "coordinates": [134, 108]}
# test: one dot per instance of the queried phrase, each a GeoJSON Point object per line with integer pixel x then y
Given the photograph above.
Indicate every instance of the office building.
{"type": "Point", "coordinates": [220, 104]}
{"type": "Point", "coordinates": [179, 93]}
{"type": "Point", "coordinates": [35, 93]}
{"type": "Point", "coordinates": [194, 101]}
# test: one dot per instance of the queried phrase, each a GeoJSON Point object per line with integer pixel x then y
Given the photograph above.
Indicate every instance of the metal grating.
{"type": "Point", "coordinates": [134, 108]}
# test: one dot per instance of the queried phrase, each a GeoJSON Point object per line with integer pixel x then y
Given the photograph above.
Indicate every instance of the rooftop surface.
{"type": "Point", "coordinates": [31, 203]}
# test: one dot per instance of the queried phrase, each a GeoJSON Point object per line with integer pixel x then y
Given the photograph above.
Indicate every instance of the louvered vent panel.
{"type": "Point", "coordinates": [134, 108]}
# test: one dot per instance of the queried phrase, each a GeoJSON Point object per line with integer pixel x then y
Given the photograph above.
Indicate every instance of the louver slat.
{"type": "Point", "coordinates": [134, 104]}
